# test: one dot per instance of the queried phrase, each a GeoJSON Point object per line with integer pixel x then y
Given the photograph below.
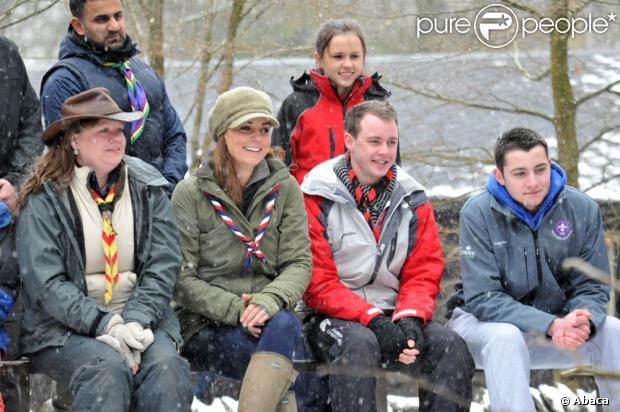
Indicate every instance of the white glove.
{"type": "Point", "coordinates": [141, 334]}
{"type": "Point", "coordinates": [126, 353]}
{"type": "Point", "coordinates": [114, 320]}
{"type": "Point", "coordinates": [125, 336]}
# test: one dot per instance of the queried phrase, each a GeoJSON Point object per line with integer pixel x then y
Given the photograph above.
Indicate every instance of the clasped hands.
{"type": "Point", "coordinates": [402, 341]}
{"type": "Point", "coordinates": [253, 317]}
{"type": "Point", "coordinates": [129, 339]}
{"type": "Point", "coordinates": [572, 331]}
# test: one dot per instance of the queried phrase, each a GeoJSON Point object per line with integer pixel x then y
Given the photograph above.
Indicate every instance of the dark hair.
{"type": "Point", "coordinates": [334, 27]}
{"type": "Point", "coordinates": [518, 138]}
{"type": "Point", "coordinates": [380, 108]}
{"type": "Point", "coordinates": [77, 7]}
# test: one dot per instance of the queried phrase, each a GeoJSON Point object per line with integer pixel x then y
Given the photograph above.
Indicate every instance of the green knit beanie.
{"type": "Point", "coordinates": [237, 106]}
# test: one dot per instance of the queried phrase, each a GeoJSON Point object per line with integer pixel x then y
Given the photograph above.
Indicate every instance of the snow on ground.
{"type": "Point", "coordinates": [223, 404]}
{"type": "Point", "coordinates": [544, 395]}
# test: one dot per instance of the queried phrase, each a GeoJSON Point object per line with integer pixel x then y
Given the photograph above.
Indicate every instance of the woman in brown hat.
{"type": "Point", "coordinates": [246, 255]}
{"type": "Point", "coordinates": [99, 254]}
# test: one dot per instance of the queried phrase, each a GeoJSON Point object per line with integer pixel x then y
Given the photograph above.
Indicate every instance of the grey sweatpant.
{"type": "Point", "coordinates": [506, 354]}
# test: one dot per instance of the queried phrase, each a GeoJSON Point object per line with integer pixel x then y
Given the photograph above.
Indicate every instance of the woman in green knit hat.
{"type": "Point", "coordinates": [246, 255]}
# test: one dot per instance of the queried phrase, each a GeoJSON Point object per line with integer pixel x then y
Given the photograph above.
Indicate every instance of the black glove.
{"type": "Point", "coordinates": [390, 337]}
{"type": "Point", "coordinates": [412, 329]}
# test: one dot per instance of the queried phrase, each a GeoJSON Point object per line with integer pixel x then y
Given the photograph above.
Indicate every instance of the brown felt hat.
{"type": "Point", "coordinates": [92, 104]}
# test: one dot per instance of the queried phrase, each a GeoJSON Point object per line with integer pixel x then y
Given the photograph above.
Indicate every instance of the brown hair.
{"type": "Point", "coordinates": [380, 108]}
{"type": "Point", "coordinates": [226, 173]}
{"type": "Point", "coordinates": [332, 28]}
{"type": "Point", "coordinates": [55, 165]}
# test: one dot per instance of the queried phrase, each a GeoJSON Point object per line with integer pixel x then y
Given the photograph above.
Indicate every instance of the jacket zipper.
{"type": "Point", "coordinates": [378, 256]}
{"type": "Point", "coordinates": [532, 298]}
{"type": "Point", "coordinates": [332, 143]}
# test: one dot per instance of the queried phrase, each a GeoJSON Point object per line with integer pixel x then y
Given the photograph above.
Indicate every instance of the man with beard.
{"type": "Point", "coordinates": [97, 52]}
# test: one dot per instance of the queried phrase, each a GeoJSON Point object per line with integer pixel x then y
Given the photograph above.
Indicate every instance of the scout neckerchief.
{"type": "Point", "coordinates": [137, 98]}
{"type": "Point", "coordinates": [252, 246]}
{"type": "Point", "coordinates": [105, 201]}
{"type": "Point", "coordinates": [370, 200]}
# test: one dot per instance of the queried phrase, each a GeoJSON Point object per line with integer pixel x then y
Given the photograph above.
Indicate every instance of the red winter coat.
{"type": "Point", "coordinates": [312, 119]}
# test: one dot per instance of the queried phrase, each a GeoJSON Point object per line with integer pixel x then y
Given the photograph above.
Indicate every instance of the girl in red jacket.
{"type": "Point", "coordinates": [312, 117]}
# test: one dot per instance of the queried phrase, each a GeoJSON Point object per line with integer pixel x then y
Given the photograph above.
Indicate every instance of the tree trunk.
{"type": "Point", "coordinates": [229, 49]}
{"type": "Point", "coordinates": [201, 91]}
{"type": "Point", "coordinates": [155, 20]}
{"type": "Point", "coordinates": [565, 111]}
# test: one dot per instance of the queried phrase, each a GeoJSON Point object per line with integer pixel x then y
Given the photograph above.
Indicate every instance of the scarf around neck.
{"type": "Point", "coordinates": [370, 200]}
{"type": "Point", "coordinates": [104, 54]}
{"type": "Point", "coordinates": [105, 198]}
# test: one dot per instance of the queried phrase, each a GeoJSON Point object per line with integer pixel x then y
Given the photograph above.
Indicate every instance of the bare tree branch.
{"type": "Point", "coordinates": [475, 105]}
{"type": "Point", "coordinates": [598, 137]}
{"type": "Point", "coordinates": [36, 12]}
{"type": "Point", "coordinates": [521, 6]}
{"type": "Point", "coordinates": [602, 182]}
{"type": "Point", "coordinates": [600, 91]}
{"type": "Point", "coordinates": [526, 73]}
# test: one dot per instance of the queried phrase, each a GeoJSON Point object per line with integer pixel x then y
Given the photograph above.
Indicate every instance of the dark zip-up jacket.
{"type": "Point", "coordinates": [51, 258]}
{"type": "Point", "coordinates": [512, 274]}
{"type": "Point", "coordinates": [312, 119]}
{"type": "Point", "coordinates": [163, 143]}
{"type": "Point", "coordinates": [20, 116]}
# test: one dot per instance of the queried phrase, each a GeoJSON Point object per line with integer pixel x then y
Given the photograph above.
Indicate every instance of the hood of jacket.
{"type": "Point", "coordinates": [144, 172]}
{"type": "Point", "coordinates": [533, 221]}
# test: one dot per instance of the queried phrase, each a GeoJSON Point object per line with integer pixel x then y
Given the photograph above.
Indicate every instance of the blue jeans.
{"type": "Point", "coordinates": [226, 350]}
{"type": "Point", "coordinates": [100, 380]}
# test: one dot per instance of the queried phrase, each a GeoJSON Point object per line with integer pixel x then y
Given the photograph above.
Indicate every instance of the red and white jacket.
{"type": "Point", "coordinates": [356, 278]}
{"type": "Point", "coordinates": [312, 119]}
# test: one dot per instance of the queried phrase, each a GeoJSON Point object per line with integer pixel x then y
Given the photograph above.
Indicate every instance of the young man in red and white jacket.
{"type": "Point", "coordinates": [377, 264]}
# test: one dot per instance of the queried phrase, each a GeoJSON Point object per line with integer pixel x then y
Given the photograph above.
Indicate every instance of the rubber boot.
{"type": "Point", "coordinates": [288, 403]}
{"type": "Point", "coordinates": [268, 377]}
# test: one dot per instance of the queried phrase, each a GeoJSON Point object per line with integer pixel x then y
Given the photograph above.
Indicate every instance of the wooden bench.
{"type": "Point", "coordinates": [23, 370]}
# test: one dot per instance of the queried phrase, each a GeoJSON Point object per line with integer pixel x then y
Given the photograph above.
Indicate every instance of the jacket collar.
{"type": "Point", "coordinates": [270, 168]}
{"type": "Point", "coordinates": [72, 45]}
{"type": "Point", "coordinates": [328, 89]}
{"type": "Point", "coordinates": [323, 181]}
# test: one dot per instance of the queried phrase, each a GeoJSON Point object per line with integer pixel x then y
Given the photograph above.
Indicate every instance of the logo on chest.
{"type": "Point", "coordinates": [562, 229]}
